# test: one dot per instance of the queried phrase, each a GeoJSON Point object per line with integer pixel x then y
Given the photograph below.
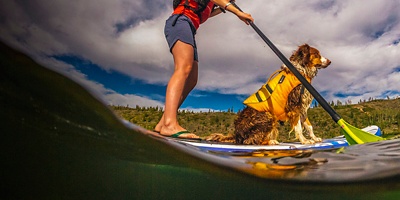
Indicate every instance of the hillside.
{"type": "Point", "coordinates": [384, 113]}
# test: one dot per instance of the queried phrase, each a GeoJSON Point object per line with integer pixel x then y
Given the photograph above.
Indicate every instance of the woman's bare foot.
{"type": "Point", "coordinates": [177, 132]}
{"type": "Point", "coordinates": [173, 130]}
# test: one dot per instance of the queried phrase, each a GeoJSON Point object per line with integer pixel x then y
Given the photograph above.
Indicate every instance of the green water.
{"type": "Point", "coordinates": [59, 142]}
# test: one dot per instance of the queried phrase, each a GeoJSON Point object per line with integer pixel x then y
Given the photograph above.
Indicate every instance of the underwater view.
{"type": "Point", "coordinates": [58, 141]}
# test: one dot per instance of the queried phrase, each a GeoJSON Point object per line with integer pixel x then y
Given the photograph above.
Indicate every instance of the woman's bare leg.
{"type": "Point", "coordinates": [182, 81]}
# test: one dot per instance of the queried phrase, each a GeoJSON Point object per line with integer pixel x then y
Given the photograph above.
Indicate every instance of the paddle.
{"type": "Point", "coordinates": [353, 135]}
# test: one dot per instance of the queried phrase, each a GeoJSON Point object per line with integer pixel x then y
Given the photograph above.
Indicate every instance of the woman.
{"type": "Point", "coordinates": [180, 29]}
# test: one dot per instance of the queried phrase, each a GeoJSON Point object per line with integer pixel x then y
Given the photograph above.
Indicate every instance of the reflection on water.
{"type": "Point", "coordinates": [347, 164]}
{"type": "Point", "coordinates": [58, 142]}
{"type": "Point", "coordinates": [355, 163]}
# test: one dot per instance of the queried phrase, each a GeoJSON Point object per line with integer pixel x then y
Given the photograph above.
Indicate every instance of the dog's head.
{"type": "Point", "coordinates": [308, 60]}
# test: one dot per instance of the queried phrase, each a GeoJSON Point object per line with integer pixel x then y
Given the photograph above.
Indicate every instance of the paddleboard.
{"type": "Point", "coordinates": [208, 146]}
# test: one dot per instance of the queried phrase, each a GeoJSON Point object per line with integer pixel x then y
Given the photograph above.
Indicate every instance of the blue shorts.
{"type": "Point", "coordinates": [183, 30]}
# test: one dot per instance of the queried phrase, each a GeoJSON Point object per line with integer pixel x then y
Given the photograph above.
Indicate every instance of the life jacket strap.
{"type": "Point", "coordinates": [302, 88]}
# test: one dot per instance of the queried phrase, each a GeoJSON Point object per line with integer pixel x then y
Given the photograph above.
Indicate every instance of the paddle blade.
{"type": "Point", "coordinates": [357, 136]}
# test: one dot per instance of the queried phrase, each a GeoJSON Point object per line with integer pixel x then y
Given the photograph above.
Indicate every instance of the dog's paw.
{"type": "Point", "coordinates": [273, 142]}
{"type": "Point", "coordinates": [308, 142]}
{"type": "Point", "coordinates": [317, 139]}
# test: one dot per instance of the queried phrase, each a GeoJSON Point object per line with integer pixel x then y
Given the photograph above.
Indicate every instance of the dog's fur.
{"type": "Point", "coordinates": [255, 127]}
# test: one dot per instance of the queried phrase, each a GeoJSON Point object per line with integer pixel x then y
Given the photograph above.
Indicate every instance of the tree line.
{"type": "Point", "coordinates": [383, 113]}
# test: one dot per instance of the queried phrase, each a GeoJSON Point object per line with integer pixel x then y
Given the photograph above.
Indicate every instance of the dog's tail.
{"type": "Point", "coordinates": [218, 137]}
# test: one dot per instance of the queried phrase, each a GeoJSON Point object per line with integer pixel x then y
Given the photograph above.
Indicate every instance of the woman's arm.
{"type": "Point", "coordinates": [216, 11]}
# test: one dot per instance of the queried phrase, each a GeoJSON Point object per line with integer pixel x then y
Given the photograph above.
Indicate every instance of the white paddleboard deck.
{"type": "Point", "coordinates": [332, 143]}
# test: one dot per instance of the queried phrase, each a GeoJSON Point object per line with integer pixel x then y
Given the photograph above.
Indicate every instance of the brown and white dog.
{"type": "Point", "coordinates": [258, 122]}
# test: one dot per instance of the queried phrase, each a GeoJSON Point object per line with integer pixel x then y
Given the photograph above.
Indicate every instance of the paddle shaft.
{"type": "Point", "coordinates": [304, 81]}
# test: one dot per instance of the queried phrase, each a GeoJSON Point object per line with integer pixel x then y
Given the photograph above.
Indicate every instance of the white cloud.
{"type": "Point", "coordinates": [127, 36]}
{"type": "Point", "coordinates": [198, 110]}
{"type": "Point", "coordinates": [131, 100]}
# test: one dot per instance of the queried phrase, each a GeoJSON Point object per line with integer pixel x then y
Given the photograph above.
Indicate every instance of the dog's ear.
{"type": "Point", "coordinates": [302, 55]}
{"type": "Point", "coordinates": [305, 54]}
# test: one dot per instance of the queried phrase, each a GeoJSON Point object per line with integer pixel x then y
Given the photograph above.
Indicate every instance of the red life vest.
{"type": "Point", "coordinates": [190, 8]}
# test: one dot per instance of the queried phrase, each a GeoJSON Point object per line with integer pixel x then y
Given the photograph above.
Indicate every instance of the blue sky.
{"type": "Point", "coordinates": [117, 49]}
{"type": "Point", "coordinates": [124, 84]}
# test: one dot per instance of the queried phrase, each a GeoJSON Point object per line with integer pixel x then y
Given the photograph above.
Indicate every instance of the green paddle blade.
{"type": "Point", "coordinates": [357, 136]}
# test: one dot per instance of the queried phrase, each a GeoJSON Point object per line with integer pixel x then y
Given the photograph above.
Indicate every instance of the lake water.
{"type": "Point", "coordinates": [59, 142]}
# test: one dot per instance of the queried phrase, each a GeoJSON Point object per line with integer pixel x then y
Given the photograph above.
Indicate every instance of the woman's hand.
{"type": "Point", "coordinates": [230, 6]}
{"type": "Point", "coordinates": [245, 17]}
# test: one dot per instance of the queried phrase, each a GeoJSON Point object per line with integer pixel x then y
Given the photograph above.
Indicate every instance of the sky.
{"type": "Point", "coordinates": [117, 49]}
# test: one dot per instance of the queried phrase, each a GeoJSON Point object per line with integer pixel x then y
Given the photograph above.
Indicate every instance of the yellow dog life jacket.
{"type": "Point", "coordinates": [274, 94]}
